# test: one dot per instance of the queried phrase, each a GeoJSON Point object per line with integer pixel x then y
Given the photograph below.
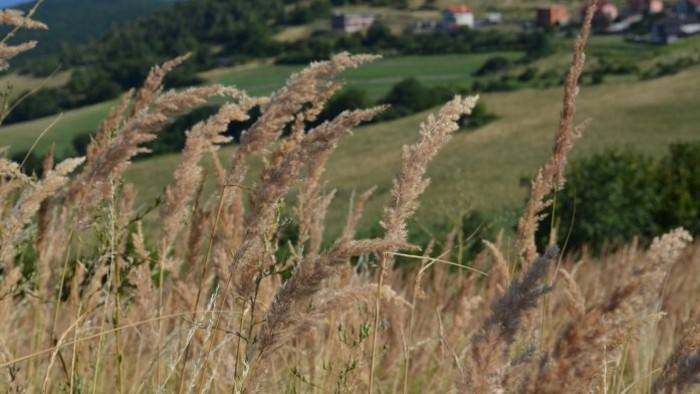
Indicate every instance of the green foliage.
{"type": "Point", "coordinates": [32, 163]}
{"type": "Point", "coordinates": [538, 46]}
{"type": "Point", "coordinates": [479, 117]}
{"type": "Point", "coordinates": [493, 65]}
{"type": "Point", "coordinates": [346, 99]}
{"type": "Point", "coordinates": [679, 178]}
{"type": "Point", "coordinates": [616, 195]}
{"type": "Point", "coordinates": [410, 96]}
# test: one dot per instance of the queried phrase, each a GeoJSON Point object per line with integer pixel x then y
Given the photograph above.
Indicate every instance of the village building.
{"type": "Point", "coordinates": [686, 8]}
{"type": "Point", "coordinates": [552, 15]}
{"type": "Point", "coordinates": [645, 6]}
{"type": "Point", "coordinates": [457, 17]}
{"type": "Point", "coordinates": [352, 22]}
{"type": "Point", "coordinates": [670, 30]}
{"type": "Point", "coordinates": [492, 18]}
{"type": "Point", "coordinates": [604, 14]}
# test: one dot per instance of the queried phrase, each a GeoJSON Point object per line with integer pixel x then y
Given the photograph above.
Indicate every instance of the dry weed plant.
{"type": "Point", "coordinates": [91, 303]}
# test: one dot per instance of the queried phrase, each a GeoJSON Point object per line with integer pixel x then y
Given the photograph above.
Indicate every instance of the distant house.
{"type": "Point", "coordinates": [686, 8]}
{"type": "Point", "coordinates": [604, 14]}
{"type": "Point", "coordinates": [670, 30]}
{"type": "Point", "coordinates": [493, 18]}
{"type": "Point", "coordinates": [352, 22]}
{"type": "Point", "coordinates": [456, 17]}
{"type": "Point", "coordinates": [424, 26]}
{"type": "Point", "coordinates": [645, 6]}
{"type": "Point", "coordinates": [552, 15]}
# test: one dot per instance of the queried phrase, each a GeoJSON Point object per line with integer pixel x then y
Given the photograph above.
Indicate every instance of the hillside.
{"type": "Point", "coordinates": [483, 169]}
{"type": "Point", "coordinates": [74, 22]}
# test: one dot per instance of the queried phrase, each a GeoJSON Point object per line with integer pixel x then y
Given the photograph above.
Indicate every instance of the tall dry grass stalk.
{"type": "Point", "coordinates": [208, 302]}
{"type": "Point", "coordinates": [550, 178]}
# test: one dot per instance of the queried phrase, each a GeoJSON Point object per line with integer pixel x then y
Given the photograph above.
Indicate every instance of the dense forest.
{"type": "Point", "coordinates": [75, 22]}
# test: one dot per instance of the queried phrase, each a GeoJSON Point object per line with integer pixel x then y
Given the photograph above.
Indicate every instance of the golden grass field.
{"type": "Point", "coordinates": [217, 297]}
{"type": "Point", "coordinates": [482, 169]}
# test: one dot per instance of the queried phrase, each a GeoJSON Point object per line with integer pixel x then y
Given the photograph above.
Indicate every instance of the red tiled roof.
{"type": "Point", "coordinates": [460, 9]}
{"type": "Point", "coordinates": [695, 3]}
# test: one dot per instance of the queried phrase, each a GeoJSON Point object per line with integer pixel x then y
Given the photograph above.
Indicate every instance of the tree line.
{"type": "Point", "coordinates": [221, 33]}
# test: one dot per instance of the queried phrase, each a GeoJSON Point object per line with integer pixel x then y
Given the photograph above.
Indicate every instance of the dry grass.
{"type": "Point", "coordinates": [207, 304]}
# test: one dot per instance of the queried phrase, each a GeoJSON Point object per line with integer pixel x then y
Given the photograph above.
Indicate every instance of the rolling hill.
{"type": "Point", "coordinates": [483, 169]}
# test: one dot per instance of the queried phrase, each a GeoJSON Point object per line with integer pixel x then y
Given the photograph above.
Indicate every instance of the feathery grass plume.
{"type": "Point", "coordinates": [577, 302]}
{"type": "Point", "coordinates": [202, 138]}
{"type": "Point", "coordinates": [196, 231]}
{"type": "Point", "coordinates": [490, 347]}
{"type": "Point", "coordinates": [317, 229]}
{"type": "Point", "coordinates": [153, 85]}
{"type": "Point", "coordinates": [308, 196]}
{"type": "Point", "coordinates": [11, 178]}
{"type": "Point", "coordinates": [28, 205]}
{"type": "Point", "coordinates": [275, 181]}
{"type": "Point", "coordinates": [111, 162]}
{"type": "Point", "coordinates": [681, 370]}
{"type": "Point", "coordinates": [10, 169]}
{"type": "Point", "coordinates": [43, 227]}
{"type": "Point", "coordinates": [499, 275]}
{"type": "Point", "coordinates": [409, 184]}
{"type": "Point", "coordinates": [17, 18]}
{"type": "Point", "coordinates": [108, 126]}
{"type": "Point", "coordinates": [588, 340]}
{"type": "Point", "coordinates": [281, 318]}
{"type": "Point", "coordinates": [356, 210]}
{"type": "Point", "coordinates": [304, 87]}
{"type": "Point", "coordinates": [550, 178]}
{"type": "Point", "coordinates": [7, 52]}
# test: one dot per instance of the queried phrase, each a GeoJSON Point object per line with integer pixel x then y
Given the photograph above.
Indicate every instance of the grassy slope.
{"type": "Point", "coordinates": [376, 78]}
{"type": "Point", "coordinates": [24, 83]}
{"type": "Point", "coordinates": [483, 168]}
{"type": "Point", "coordinates": [21, 136]}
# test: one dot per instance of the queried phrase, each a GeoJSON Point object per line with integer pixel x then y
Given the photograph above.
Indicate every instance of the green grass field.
{"type": "Point", "coordinates": [59, 129]}
{"type": "Point", "coordinates": [482, 169]}
{"type": "Point", "coordinates": [260, 80]}
{"type": "Point", "coordinates": [24, 83]}
{"type": "Point", "coordinates": [376, 78]}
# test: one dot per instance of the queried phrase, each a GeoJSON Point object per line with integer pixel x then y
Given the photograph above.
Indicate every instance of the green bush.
{"type": "Point", "coordinates": [410, 96]}
{"type": "Point", "coordinates": [679, 178]}
{"type": "Point", "coordinates": [608, 199]}
{"type": "Point", "coordinates": [479, 117]}
{"type": "Point", "coordinates": [493, 65]}
{"type": "Point", "coordinates": [348, 98]}
{"type": "Point", "coordinates": [619, 194]}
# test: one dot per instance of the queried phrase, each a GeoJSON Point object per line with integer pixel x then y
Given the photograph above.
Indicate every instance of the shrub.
{"type": "Point", "coordinates": [608, 199]}
{"type": "Point", "coordinates": [91, 299]}
{"type": "Point", "coordinates": [349, 98]}
{"type": "Point", "coordinates": [679, 180]}
{"type": "Point", "coordinates": [479, 117]}
{"type": "Point", "coordinates": [493, 65]}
